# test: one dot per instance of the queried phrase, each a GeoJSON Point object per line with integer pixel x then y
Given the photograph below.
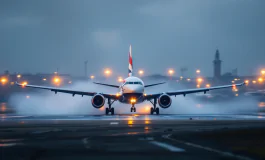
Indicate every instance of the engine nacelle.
{"type": "Point", "coordinates": [98, 101]}
{"type": "Point", "coordinates": [164, 101]}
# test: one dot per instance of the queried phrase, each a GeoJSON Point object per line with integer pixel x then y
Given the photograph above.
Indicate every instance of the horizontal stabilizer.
{"type": "Point", "coordinates": [150, 85]}
{"type": "Point", "coordinates": [109, 85]}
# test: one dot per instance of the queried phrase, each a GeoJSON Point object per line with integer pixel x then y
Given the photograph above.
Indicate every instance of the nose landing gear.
{"type": "Point", "coordinates": [133, 109]}
{"type": "Point", "coordinates": [154, 109]}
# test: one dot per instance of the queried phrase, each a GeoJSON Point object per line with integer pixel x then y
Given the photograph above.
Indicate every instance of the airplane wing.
{"type": "Point", "coordinates": [109, 85]}
{"type": "Point", "coordinates": [73, 92]}
{"type": "Point", "coordinates": [189, 91]}
{"type": "Point", "coordinates": [149, 85]}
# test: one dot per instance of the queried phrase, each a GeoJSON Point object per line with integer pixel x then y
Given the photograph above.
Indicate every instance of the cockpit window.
{"type": "Point", "coordinates": [138, 83]}
{"type": "Point", "coordinates": [134, 83]}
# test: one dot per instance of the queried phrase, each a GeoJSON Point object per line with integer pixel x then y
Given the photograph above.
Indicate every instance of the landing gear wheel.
{"type": "Point", "coordinates": [134, 109]}
{"type": "Point", "coordinates": [152, 110]}
{"type": "Point", "coordinates": [112, 111]}
{"type": "Point", "coordinates": [131, 109]}
{"type": "Point", "coordinates": [107, 111]}
{"type": "Point", "coordinates": [157, 110]}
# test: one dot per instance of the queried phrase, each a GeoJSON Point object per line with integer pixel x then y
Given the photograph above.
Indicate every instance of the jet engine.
{"type": "Point", "coordinates": [164, 101]}
{"type": "Point", "coordinates": [98, 101]}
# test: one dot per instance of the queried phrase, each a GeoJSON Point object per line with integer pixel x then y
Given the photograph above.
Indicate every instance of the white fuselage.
{"type": "Point", "coordinates": [132, 88]}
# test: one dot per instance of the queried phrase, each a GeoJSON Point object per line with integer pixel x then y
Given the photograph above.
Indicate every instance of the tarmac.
{"type": "Point", "coordinates": [226, 136]}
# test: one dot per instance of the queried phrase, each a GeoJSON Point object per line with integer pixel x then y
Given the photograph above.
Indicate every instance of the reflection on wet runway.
{"type": "Point", "coordinates": [135, 117]}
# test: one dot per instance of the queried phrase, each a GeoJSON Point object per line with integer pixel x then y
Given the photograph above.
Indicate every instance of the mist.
{"type": "Point", "coordinates": [48, 103]}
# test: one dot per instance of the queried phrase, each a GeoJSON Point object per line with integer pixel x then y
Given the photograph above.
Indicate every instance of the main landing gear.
{"type": "Point", "coordinates": [110, 109]}
{"type": "Point", "coordinates": [154, 109]}
{"type": "Point", "coordinates": [133, 109]}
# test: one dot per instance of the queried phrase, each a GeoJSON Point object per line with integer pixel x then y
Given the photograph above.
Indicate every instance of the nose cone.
{"type": "Point", "coordinates": [133, 89]}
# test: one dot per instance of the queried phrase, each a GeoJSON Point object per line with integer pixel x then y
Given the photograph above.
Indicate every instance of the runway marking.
{"type": "Point", "coordinates": [146, 139]}
{"type": "Point", "coordinates": [114, 123]}
{"type": "Point", "coordinates": [207, 148]}
{"type": "Point", "coordinates": [167, 146]}
{"type": "Point", "coordinates": [46, 131]}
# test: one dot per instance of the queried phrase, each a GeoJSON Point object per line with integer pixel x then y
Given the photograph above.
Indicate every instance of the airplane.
{"type": "Point", "coordinates": [131, 91]}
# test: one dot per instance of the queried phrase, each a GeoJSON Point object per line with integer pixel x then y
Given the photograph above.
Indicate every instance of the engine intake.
{"type": "Point", "coordinates": [164, 101]}
{"type": "Point", "coordinates": [98, 101]}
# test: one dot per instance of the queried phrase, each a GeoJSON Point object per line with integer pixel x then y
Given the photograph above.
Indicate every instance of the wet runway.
{"type": "Point", "coordinates": [133, 136]}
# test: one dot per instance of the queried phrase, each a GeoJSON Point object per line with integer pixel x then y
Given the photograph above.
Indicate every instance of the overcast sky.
{"type": "Point", "coordinates": [41, 35]}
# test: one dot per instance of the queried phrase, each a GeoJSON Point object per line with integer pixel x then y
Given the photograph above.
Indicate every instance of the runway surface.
{"type": "Point", "coordinates": [132, 136]}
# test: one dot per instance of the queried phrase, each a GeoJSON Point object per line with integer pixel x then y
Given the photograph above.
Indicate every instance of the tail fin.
{"type": "Point", "coordinates": [130, 62]}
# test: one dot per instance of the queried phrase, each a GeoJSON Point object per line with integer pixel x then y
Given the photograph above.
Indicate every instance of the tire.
{"type": "Point", "coordinates": [112, 111]}
{"type": "Point", "coordinates": [107, 111]}
{"type": "Point", "coordinates": [134, 109]}
{"type": "Point", "coordinates": [131, 109]}
{"type": "Point", "coordinates": [157, 110]}
{"type": "Point", "coordinates": [152, 110]}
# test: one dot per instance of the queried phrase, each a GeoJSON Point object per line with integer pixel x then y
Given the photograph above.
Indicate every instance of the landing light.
{"type": "Point", "coordinates": [133, 100]}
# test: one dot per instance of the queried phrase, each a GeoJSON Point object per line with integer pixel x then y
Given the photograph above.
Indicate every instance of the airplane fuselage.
{"type": "Point", "coordinates": [132, 91]}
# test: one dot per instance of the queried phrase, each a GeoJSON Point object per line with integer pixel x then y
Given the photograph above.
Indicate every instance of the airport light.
{"type": "Point", "coordinates": [208, 85]}
{"type": "Point", "coordinates": [57, 80]}
{"type": "Point", "coordinates": [70, 82]}
{"type": "Point", "coordinates": [44, 79]}
{"type": "Point", "coordinates": [199, 80]}
{"type": "Point", "coordinates": [188, 79]}
{"type": "Point", "coordinates": [92, 77]}
{"type": "Point", "coordinates": [140, 72]}
{"type": "Point", "coordinates": [27, 97]}
{"type": "Point", "coordinates": [181, 77]}
{"type": "Point", "coordinates": [55, 72]}
{"type": "Point", "coordinates": [170, 72]}
{"type": "Point", "coordinates": [262, 72]}
{"type": "Point", "coordinates": [198, 71]}
{"type": "Point", "coordinates": [254, 82]}
{"type": "Point", "coordinates": [246, 81]}
{"type": "Point", "coordinates": [107, 72]}
{"type": "Point", "coordinates": [120, 79]}
{"type": "Point", "coordinates": [198, 86]}
{"type": "Point", "coordinates": [4, 80]}
{"type": "Point", "coordinates": [19, 76]}
{"type": "Point", "coordinates": [260, 79]}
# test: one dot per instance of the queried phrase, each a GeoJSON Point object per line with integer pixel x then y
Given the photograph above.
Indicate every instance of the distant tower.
{"type": "Point", "coordinates": [217, 65]}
